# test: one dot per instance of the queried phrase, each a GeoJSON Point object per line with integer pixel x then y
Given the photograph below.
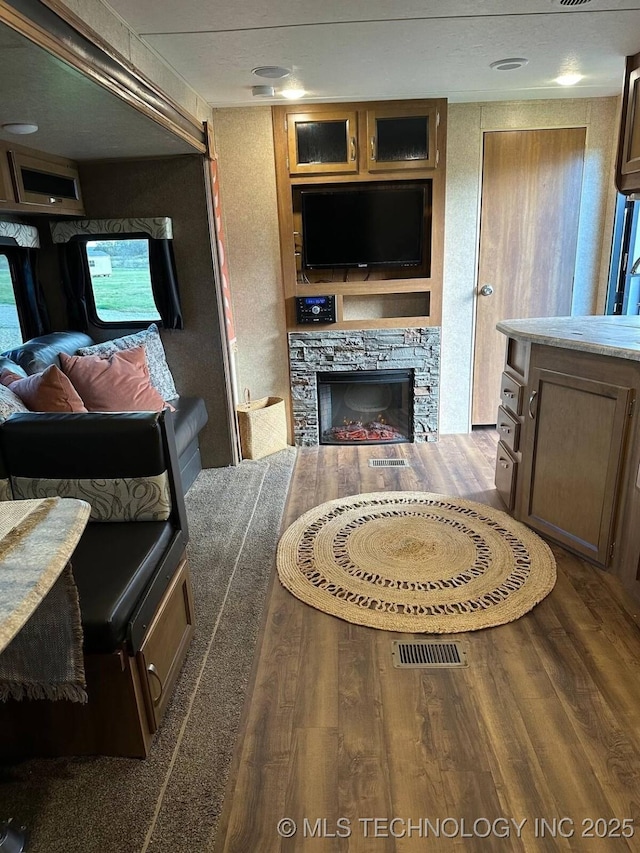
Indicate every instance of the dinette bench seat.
{"type": "Point", "coordinates": [130, 570]}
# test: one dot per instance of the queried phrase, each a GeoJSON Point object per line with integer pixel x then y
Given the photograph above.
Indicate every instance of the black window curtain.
{"type": "Point", "coordinates": [77, 279]}
{"type": "Point", "coordinates": [164, 283]}
{"type": "Point", "coordinates": [76, 282]}
{"type": "Point", "coordinates": [30, 302]}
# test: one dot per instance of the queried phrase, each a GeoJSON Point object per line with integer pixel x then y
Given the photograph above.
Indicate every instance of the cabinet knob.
{"type": "Point", "coordinates": [486, 290]}
{"type": "Point", "coordinates": [353, 149]}
{"type": "Point", "coordinates": [504, 463]}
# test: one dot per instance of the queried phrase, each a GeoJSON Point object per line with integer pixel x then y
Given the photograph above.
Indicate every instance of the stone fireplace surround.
{"type": "Point", "coordinates": [326, 350]}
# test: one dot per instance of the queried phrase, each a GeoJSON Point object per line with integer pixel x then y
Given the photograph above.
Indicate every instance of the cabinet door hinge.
{"type": "Point", "coordinates": [632, 406]}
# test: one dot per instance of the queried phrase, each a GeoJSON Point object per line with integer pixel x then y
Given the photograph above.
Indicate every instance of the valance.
{"type": "Point", "coordinates": [19, 234]}
{"type": "Point", "coordinates": [157, 227]}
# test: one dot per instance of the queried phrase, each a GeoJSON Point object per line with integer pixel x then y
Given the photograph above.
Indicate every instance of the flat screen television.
{"type": "Point", "coordinates": [368, 226]}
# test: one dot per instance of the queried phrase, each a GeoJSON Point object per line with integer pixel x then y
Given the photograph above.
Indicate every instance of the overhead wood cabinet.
{"type": "Point", "coordinates": [35, 182]}
{"type": "Point", "coordinates": [628, 163]}
{"type": "Point", "coordinates": [362, 139]}
{"type": "Point", "coordinates": [6, 188]}
{"type": "Point", "coordinates": [322, 142]}
{"type": "Point", "coordinates": [402, 137]}
{"type": "Point", "coordinates": [40, 180]}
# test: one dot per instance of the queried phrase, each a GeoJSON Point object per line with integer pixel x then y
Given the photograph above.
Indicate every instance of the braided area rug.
{"type": "Point", "coordinates": [415, 562]}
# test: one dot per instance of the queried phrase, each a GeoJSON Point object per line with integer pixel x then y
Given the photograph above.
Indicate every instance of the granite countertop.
{"type": "Point", "coordinates": [614, 336]}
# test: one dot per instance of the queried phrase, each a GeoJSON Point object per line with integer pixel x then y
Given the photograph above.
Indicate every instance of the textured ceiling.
{"type": "Point", "coordinates": [368, 49]}
{"type": "Point", "coordinates": [356, 50]}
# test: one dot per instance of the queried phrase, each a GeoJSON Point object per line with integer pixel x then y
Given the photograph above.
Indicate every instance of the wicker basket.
{"type": "Point", "coordinates": [263, 426]}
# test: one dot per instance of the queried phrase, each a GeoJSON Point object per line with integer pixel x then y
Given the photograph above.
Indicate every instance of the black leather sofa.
{"type": "Point", "coordinates": [189, 417]}
{"type": "Point", "coordinates": [129, 567]}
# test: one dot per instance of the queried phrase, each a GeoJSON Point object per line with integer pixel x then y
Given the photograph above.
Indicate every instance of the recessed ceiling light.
{"type": "Point", "coordinates": [509, 64]}
{"type": "Point", "coordinates": [271, 72]}
{"type": "Point", "coordinates": [19, 127]}
{"type": "Point", "coordinates": [568, 79]}
{"type": "Point", "coordinates": [293, 94]}
{"type": "Point", "coordinates": [263, 91]}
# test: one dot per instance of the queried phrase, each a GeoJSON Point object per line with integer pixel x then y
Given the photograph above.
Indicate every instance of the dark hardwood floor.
{"type": "Point", "coordinates": [542, 727]}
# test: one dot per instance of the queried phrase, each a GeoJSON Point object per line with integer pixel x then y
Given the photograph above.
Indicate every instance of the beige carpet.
{"type": "Point", "coordinates": [415, 562]}
{"type": "Point", "coordinates": [172, 800]}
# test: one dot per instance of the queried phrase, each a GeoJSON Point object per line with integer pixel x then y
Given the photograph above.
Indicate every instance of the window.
{"type": "Point", "coordinates": [10, 331]}
{"type": "Point", "coordinates": [121, 281]}
{"type": "Point", "coordinates": [624, 275]}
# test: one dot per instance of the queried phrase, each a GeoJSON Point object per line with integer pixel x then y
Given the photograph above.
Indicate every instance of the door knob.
{"type": "Point", "coordinates": [486, 290]}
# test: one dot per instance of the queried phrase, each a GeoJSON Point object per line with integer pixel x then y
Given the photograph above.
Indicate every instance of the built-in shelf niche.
{"type": "Point", "coordinates": [375, 281]}
{"type": "Point", "coordinates": [382, 306]}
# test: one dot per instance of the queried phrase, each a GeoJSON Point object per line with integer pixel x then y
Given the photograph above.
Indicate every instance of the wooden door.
{"type": "Point", "coordinates": [573, 453]}
{"type": "Point", "coordinates": [531, 189]}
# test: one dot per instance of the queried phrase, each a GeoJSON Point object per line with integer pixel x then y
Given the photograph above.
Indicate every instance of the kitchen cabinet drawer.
{"type": "Point", "coordinates": [508, 427]}
{"type": "Point", "coordinates": [506, 475]}
{"type": "Point", "coordinates": [165, 645]}
{"type": "Point", "coordinates": [511, 394]}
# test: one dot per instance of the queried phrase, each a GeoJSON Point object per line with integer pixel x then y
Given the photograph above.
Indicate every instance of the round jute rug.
{"type": "Point", "coordinates": [416, 562]}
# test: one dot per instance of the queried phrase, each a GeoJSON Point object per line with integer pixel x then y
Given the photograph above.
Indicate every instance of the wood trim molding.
{"type": "Point", "coordinates": [50, 25]}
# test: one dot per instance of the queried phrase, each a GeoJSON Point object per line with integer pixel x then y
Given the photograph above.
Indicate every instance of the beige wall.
{"type": "Point", "coordinates": [244, 143]}
{"type": "Point", "coordinates": [247, 180]}
{"type": "Point", "coordinates": [176, 187]}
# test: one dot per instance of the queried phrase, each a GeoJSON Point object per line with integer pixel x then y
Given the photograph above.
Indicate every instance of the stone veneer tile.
{"type": "Point", "coordinates": [329, 351]}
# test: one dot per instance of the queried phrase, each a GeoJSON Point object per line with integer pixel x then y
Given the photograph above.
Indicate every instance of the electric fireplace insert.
{"type": "Point", "coordinates": [365, 407]}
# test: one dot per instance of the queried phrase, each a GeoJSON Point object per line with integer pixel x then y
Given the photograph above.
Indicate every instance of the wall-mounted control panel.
{"type": "Point", "coordinates": [316, 309]}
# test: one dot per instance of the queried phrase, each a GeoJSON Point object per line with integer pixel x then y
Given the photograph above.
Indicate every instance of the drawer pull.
{"type": "Point", "coordinates": [504, 429]}
{"type": "Point", "coordinates": [151, 669]}
{"type": "Point", "coordinates": [352, 154]}
{"type": "Point", "coordinates": [504, 463]}
{"type": "Point", "coordinates": [507, 393]}
{"type": "Point", "coordinates": [533, 396]}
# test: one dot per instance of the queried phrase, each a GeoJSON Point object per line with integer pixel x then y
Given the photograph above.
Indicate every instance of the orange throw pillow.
{"type": "Point", "coordinates": [49, 391]}
{"type": "Point", "coordinates": [119, 383]}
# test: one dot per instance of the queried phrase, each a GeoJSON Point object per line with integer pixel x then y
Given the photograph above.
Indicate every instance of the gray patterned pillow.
{"type": "Point", "coordinates": [10, 403]}
{"type": "Point", "coordinates": [159, 372]}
